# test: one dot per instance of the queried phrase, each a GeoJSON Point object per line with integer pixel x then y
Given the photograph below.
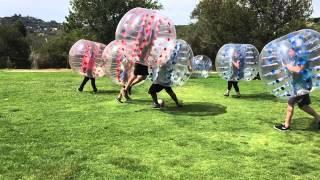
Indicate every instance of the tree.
{"type": "Point", "coordinates": [99, 18]}
{"type": "Point", "coordinates": [21, 28]}
{"type": "Point", "coordinates": [14, 49]}
{"type": "Point", "coordinates": [54, 53]}
{"type": "Point", "coordinates": [245, 21]}
{"type": "Point", "coordinates": [315, 26]}
{"type": "Point", "coordinates": [276, 18]}
{"type": "Point", "coordinates": [220, 22]}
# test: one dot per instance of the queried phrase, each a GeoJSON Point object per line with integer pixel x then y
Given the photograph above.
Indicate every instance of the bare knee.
{"type": "Point", "coordinates": [141, 78]}
{"type": "Point", "coordinates": [133, 77]}
{"type": "Point", "coordinates": [290, 108]}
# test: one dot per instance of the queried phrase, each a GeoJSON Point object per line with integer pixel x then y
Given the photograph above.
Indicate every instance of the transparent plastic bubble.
{"type": "Point", "coordinates": [177, 70]}
{"type": "Point", "coordinates": [237, 61]}
{"type": "Point", "coordinates": [201, 66]}
{"type": "Point", "coordinates": [141, 28]}
{"type": "Point", "coordinates": [161, 52]}
{"type": "Point", "coordinates": [300, 48]}
{"type": "Point", "coordinates": [85, 58]}
{"type": "Point", "coordinates": [119, 67]}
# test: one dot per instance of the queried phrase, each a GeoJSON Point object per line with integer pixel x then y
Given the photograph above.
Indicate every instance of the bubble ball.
{"type": "Point", "coordinates": [177, 70]}
{"type": "Point", "coordinates": [139, 28]}
{"type": "Point", "coordinates": [301, 49]}
{"type": "Point", "coordinates": [201, 66]}
{"type": "Point", "coordinates": [161, 51]}
{"type": "Point", "coordinates": [119, 67]}
{"type": "Point", "coordinates": [85, 58]}
{"type": "Point", "coordinates": [245, 56]}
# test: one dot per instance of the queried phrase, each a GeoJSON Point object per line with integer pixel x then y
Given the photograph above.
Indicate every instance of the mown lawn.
{"type": "Point", "coordinates": [48, 130]}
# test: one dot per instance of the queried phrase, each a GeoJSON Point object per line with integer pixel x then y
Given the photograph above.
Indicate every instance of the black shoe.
{"type": "Point", "coordinates": [95, 90]}
{"type": "Point", "coordinates": [281, 127]}
{"type": "Point", "coordinates": [125, 95]}
{"type": "Point", "coordinates": [156, 106]}
{"type": "Point", "coordinates": [129, 90]}
{"type": "Point", "coordinates": [119, 100]}
{"type": "Point", "coordinates": [80, 89]}
{"type": "Point", "coordinates": [226, 94]}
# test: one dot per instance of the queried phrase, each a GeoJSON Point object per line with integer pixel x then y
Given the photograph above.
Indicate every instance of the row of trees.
{"type": "Point", "coordinates": [52, 51]}
{"type": "Point", "coordinates": [93, 20]}
{"type": "Point", "coordinates": [99, 18]}
{"type": "Point", "coordinates": [14, 48]}
{"type": "Point", "coordinates": [217, 22]}
{"type": "Point", "coordinates": [255, 22]}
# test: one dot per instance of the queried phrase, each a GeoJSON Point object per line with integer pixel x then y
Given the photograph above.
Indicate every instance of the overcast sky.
{"type": "Point", "coordinates": [178, 10]}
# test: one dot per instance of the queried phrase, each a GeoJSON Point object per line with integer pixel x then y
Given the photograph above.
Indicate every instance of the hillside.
{"type": "Point", "coordinates": [33, 25]}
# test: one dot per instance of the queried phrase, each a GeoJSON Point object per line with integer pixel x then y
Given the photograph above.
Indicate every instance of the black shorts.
{"type": "Point", "coordinates": [155, 88]}
{"type": "Point", "coordinates": [140, 69]}
{"type": "Point", "coordinates": [303, 100]}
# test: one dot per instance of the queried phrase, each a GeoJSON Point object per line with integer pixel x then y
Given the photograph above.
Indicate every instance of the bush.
{"type": "Point", "coordinates": [14, 48]}
{"type": "Point", "coordinates": [54, 54]}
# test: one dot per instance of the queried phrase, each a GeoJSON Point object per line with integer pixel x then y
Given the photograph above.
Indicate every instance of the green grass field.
{"type": "Point", "coordinates": [48, 130]}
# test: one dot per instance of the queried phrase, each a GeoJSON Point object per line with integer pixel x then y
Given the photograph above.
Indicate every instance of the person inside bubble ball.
{"type": "Point", "coordinates": [140, 72]}
{"type": "Point", "coordinates": [235, 75]}
{"type": "Point", "coordinates": [125, 67]}
{"type": "Point", "coordinates": [162, 80]}
{"type": "Point", "coordinates": [302, 84]}
{"type": "Point", "coordinates": [87, 67]}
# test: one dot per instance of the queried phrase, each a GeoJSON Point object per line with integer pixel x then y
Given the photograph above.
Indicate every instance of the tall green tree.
{"type": "Point", "coordinates": [54, 53]}
{"type": "Point", "coordinates": [278, 17]}
{"type": "Point", "coordinates": [21, 28]}
{"type": "Point", "coordinates": [14, 48]}
{"type": "Point", "coordinates": [245, 21]}
{"type": "Point", "coordinates": [99, 18]}
{"type": "Point", "coordinates": [220, 22]}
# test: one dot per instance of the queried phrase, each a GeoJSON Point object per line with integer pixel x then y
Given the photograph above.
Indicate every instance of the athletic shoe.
{"type": "Point", "coordinates": [125, 94]}
{"type": "Point", "coordinates": [281, 127]}
{"type": "Point", "coordinates": [80, 89]}
{"type": "Point", "coordinates": [156, 106]}
{"type": "Point", "coordinates": [179, 105]}
{"type": "Point", "coordinates": [95, 90]}
{"type": "Point", "coordinates": [226, 94]}
{"type": "Point", "coordinates": [119, 100]}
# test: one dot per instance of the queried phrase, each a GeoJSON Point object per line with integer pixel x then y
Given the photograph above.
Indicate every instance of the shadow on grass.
{"type": "Point", "coordinates": [197, 109]}
{"type": "Point", "coordinates": [101, 92]}
{"type": "Point", "coordinates": [108, 92]}
{"type": "Point", "coordinates": [315, 98]}
{"type": "Point", "coordinates": [194, 76]}
{"type": "Point", "coordinates": [305, 124]}
{"type": "Point", "coordinates": [140, 101]}
{"type": "Point", "coordinates": [260, 96]}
